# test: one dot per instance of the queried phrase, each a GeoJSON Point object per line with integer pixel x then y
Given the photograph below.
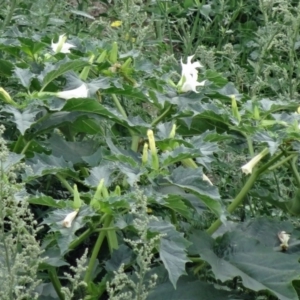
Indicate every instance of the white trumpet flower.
{"type": "Point", "coordinates": [189, 76]}
{"type": "Point", "coordinates": [61, 45]}
{"type": "Point", "coordinates": [67, 222]}
{"type": "Point", "coordinates": [80, 92]}
{"type": "Point", "coordinates": [247, 168]}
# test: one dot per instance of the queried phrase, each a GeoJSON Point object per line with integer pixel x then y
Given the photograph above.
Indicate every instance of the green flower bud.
{"type": "Point", "coordinates": [76, 200]}
{"type": "Point", "coordinates": [152, 146]}
{"type": "Point", "coordinates": [113, 55]}
{"type": "Point", "coordinates": [145, 154]}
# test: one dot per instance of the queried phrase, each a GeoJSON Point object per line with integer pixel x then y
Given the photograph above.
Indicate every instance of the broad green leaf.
{"type": "Point", "coordinates": [178, 154]}
{"type": "Point", "coordinates": [61, 68]}
{"type": "Point", "coordinates": [47, 201]}
{"type": "Point", "coordinates": [6, 68]}
{"type": "Point", "coordinates": [123, 255]}
{"type": "Point", "coordinates": [191, 180]}
{"type": "Point", "coordinates": [172, 250]}
{"type": "Point", "coordinates": [104, 171]}
{"type": "Point", "coordinates": [23, 120]}
{"type": "Point", "coordinates": [11, 160]}
{"type": "Point", "coordinates": [273, 142]}
{"type": "Point", "coordinates": [53, 258]}
{"type": "Point", "coordinates": [92, 106]}
{"type": "Point", "coordinates": [188, 288]}
{"type": "Point", "coordinates": [71, 151]}
{"type": "Point", "coordinates": [261, 268]}
{"type": "Point", "coordinates": [42, 164]}
{"type": "Point", "coordinates": [25, 76]}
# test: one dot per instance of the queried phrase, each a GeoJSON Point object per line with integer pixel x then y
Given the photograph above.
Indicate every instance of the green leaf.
{"type": "Point", "coordinates": [42, 164]}
{"type": "Point", "coordinates": [6, 68]}
{"type": "Point", "coordinates": [92, 106]}
{"type": "Point", "coordinates": [188, 288]}
{"type": "Point", "coordinates": [47, 201]}
{"type": "Point", "coordinates": [11, 160]}
{"type": "Point", "coordinates": [82, 13]}
{"type": "Point", "coordinates": [177, 155]}
{"type": "Point", "coordinates": [172, 250]}
{"type": "Point", "coordinates": [191, 180]}
{"type": "Point", "coordinates": [61, 68]}
{"type": "Point", "coordinates": [23, 120]}
{"type": "Point", "coordinates": [71, 151]}
{"type": "Point", "coordinates": [235, 254]}
{"type": "Point", "coordinates": [25, 76]}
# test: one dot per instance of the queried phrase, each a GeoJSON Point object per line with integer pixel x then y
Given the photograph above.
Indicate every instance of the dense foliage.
{"type": "Point", "coordinates": [149, 149]}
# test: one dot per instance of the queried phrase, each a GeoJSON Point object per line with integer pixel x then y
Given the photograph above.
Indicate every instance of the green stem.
{"type": "Point", "coordinates": [18, 144]}
{"type": "Point", "coordinates": [26, 147]}
{"type": "Point", "coordinates": [119, 106]}
{"type": "Point", "coordinates": [102, 234]}
{"type": "Point", "coordinates": [65, 183]}
{"type": "Point", "coordinates": [13, 4]}
{"type": "Point", "coordinates": [236, 202]}
{"type": "Point", "coordinates": [250, 146]}
{"type": "Point", "coordinates": [240, 197]}
{"type": "Point", "coordinates": [80, 239]}
{"type": "Point", "coordinates": [294, 170]}
{"type": "Point", "coordinates": [135, 138]}
{"type": "Point", "coordinates": [160, 117]}
{"type": "Point", "coordinates": [283, 161]}
{"type": "Point", "coordinates": [55, 282]}
{"type": "Point", "coordinates": [49, 13]}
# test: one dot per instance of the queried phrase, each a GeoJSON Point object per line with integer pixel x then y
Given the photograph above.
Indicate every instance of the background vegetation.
{"type": "Point", "coordinates": [118, 180]}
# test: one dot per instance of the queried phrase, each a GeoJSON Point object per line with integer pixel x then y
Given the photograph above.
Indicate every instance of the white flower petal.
{"type": "Point", "coordinates": [67, 222]}
{"type": "Point", "coordinates": [65, 47]}
{"type": "Point", "coordinates": [80, 92]}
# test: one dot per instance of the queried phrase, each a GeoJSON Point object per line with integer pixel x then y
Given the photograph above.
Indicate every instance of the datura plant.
{"type": "Point", "coordinates": [153, 188]}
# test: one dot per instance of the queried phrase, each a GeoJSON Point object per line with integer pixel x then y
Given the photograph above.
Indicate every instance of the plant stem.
{"type": "Point", "coordinates": [294, 170]}
{"type": "Point", "coordinates": [240, 197]}
{"type": "Point", "coordinates": [135, 138]}
{"type": "Point", "coordinates": [236, 202]}
{"type": "Point", "coordinates": [49, 13]}
{"type": "Point", "coordinates": [65, 183]}
{"type": "Point", "coordinates": [13, 4]}
{"type": "Point", "coordinates": [80, 239]}
{"type": "Point", "coordinates": [55, 282]}
{"type": "Point", "coordinates": [160, 117]}
{"type": "Point", "coordinates": [102, 234]}
{"type": "Point", "coordinates": [250, 145]}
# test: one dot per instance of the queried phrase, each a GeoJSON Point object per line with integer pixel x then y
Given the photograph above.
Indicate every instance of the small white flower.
{"type": "Point", "coordinates": [189, 76]}
{"type": "Point", "coordinates": [64, 46]}
{"type": "Point", "coordinates": [67, 222]}
{"type": "Point", "coordinates": [190, 68]}
{"type": "Point", "coordinates": [80, 92]}
{"type": "Point", "coordinates": [205, 178]}
{"type": "Point", "coordinates": [247, 168]}
{"type": "Point", "coordinates": [190, 83]}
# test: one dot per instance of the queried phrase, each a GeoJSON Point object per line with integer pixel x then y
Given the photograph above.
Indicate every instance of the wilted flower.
{"type": "Point", "coordinates": [189, 76]}
{"type": "Point", "coordinates": [67, 222]}
{"type": "Point", "coordinates": [80, 92]}
{"type": "Point", "coordinates": [284, 239]}
{"type": "Point", "coordinates": [61, 45]}
{"type": "Point", "coordinates": [247, 168]}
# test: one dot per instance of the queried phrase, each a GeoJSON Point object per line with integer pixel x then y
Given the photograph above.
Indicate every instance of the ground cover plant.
{"type": "Point", "coordinates": [149, 150]}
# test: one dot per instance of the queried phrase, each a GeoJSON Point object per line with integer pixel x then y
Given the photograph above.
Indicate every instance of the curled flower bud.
{"type": "Point", "coordinates": [67, 222]}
